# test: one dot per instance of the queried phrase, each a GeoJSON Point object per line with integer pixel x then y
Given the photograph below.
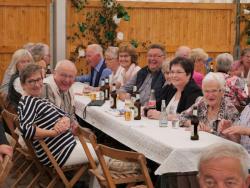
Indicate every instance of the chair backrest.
{"type": "Point", "coordinates": [11, 121]}
{"type": "Point", "coordinates": [6, 164]}
{"type": "Point", "coordinates": [84, 136]}
{"type": "Point", "coordinates": [80, 169]}
{"type": "Point", "coordinates": [5, 104]}
{"type": "Point", "coordinates": [3, 100]}
{"type": "Point", "coordinates": [5, 168]}
{"type": "Point", "coordinates": [126, 156]}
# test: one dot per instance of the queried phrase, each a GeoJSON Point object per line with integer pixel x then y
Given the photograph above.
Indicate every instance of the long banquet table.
{"type": "Point", "coordinates": [171, 148]}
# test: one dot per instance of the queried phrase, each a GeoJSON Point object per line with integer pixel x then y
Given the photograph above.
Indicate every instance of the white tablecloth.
{"type": "Point", "coordinates": [171, 148]}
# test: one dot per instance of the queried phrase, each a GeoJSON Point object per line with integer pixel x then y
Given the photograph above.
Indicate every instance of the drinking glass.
{"type": "Point", "coordinates": [172, 118]}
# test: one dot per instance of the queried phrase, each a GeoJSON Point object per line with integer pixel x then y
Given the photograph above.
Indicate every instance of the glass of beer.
{"type": "Point", "coordinates": [128, 115]}
{"type": "Point", "coordinates": [93, 96]}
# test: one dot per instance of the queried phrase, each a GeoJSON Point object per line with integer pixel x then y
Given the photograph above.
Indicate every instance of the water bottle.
{"type": "Point", "coordinates": [163, 122]}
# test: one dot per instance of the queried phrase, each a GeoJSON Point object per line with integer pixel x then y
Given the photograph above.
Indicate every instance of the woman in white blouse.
{"type": "Point", "coordinates": [128, 60]}
{"type": "Point", "coordinates": [112, 62]}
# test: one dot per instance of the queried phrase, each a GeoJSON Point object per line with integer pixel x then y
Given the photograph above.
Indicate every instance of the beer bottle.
{"type": "Point", "coordinates": [107, 89]}
{"type": "Point", "coordinates": [194, 124]}
{"type": "Point", "coordinates": [211, 67]}
{"type": "Point", "coordinates": [152, 100]}
{"type": "Point", "coordinates": [137, 108]}
{"type": "Point", "coordinates": [102, 90]}
{"type": "Point", "coordinates": [113, 97]}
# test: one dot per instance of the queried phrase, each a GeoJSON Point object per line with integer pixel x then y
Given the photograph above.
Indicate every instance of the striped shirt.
{"type": "Point", "coordinates": [40, 112]}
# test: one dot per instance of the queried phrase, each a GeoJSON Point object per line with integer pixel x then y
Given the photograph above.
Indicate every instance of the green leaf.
{"type": "Point", "coordinates": [126, 17]}
{"type": "Point", "coordinates": [134, 43]}
{"type": "Point", "coordinates": [82, 27]}
{"type": "Point", "coordinates": [102, 19]}
{"type": "Point", "coordinates": [248, 41]}
{"type": "Point", "coordinates": [110, 35]}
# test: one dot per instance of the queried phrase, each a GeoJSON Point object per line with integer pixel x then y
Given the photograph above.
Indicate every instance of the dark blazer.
{"type": "Point", "coordinates": [157, 81]}
{"type": "Point", "coordinates": [188, 95]}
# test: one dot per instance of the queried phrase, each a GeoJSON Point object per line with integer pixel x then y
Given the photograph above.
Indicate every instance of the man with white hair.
{"type": "Point", "coordinates": [57, 87]}
{"type": "Point", "coordinates": [99, 70]}
{"type": "Point", "coordinates": [224, 165]}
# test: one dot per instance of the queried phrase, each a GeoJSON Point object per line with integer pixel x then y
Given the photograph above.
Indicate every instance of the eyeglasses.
{"type": "Point", "coordinates": [212, 91]}
{"type": "Point", "coordinates": [33, 82]}
{"type": "Point", "coordinates": [154, 56]}
{"type": "Point", "coordinates": [176, 72]}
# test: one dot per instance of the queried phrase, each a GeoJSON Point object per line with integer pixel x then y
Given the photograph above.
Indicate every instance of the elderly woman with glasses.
{"type": "Point", "coordinates": [182, 92]}
{"type": "Point", "coordinates": [213, 106]}
{"type": "Point", "coordinates": [112, 62]}
{"type": "Point", "coordinates": [41, 119]}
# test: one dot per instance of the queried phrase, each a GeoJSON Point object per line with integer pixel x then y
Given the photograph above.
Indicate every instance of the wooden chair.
{"type": "Point", "coordinates": [111, 178]}
{"type": "Point", "coordinates": [56, 173]}
{"type": "Point", "coordinates": [79, 169]}
{"type": "Point", "coordinates": [25, 155]}
{"type": "Point", "coordinates": [6, 165]}
{"type": "Point", "coordinates": [5, 104]}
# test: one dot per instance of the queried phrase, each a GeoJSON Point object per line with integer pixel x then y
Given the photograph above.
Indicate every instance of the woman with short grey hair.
{"type": "Point", "coordinates": [213, 106]}
{"type": "Point", "coordinates": [224, 62]}
{"type": "Point", "coordinates": [234, 88]}
{"type": "Point", "coordinates": [112, 62]}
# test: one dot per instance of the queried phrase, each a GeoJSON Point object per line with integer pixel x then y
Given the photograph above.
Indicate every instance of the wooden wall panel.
{"type": "Point", "coordinates": [209, 26]}
{"type": "Point", "coordinates": [21, 22]}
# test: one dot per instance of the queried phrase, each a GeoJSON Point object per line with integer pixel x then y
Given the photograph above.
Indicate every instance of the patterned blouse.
{"type": "Point", "coordinates": [235, 90]}
{"type": "Point", "coordinates": [227, 111]}
{"type": "Point", "coordinates": [245, 122]}
{"type": "Point", "coordinates": [34, 111]}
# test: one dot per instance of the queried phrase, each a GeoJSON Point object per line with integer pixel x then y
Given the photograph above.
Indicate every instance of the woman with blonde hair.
{"type": "Point", "coordinates": [18, 61]}
{"type": "Point", "coordinates": [11, 82]}
{"type": "Point", "coordinates": [199, 57]}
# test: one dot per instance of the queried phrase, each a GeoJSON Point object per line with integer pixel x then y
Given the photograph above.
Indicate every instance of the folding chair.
{"type": "Point", "coordinates": [5, 168]}
{"type": "Point", "coordinates": [5, 104]}
{"type": "Point", "coordinates": [60, 171]}
{"type": "Point", "coordinates": [6, 165]}
{"type": "Point", "coordinates": [25, 155]}
{"type": "Point", "coordinates": [111, 178]}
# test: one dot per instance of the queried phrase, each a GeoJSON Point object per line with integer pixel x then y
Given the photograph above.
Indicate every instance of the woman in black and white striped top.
{"type": "Point", "coordinates": [41, 119]}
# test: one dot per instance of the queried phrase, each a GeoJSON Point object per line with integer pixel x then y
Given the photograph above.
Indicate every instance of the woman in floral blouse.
{"type": "Point", "coordinates": [235, 86]}
{"type": "Point", "coordinates": [213, 106]}
{"type": "Point", "coordinates": [241, 129]}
